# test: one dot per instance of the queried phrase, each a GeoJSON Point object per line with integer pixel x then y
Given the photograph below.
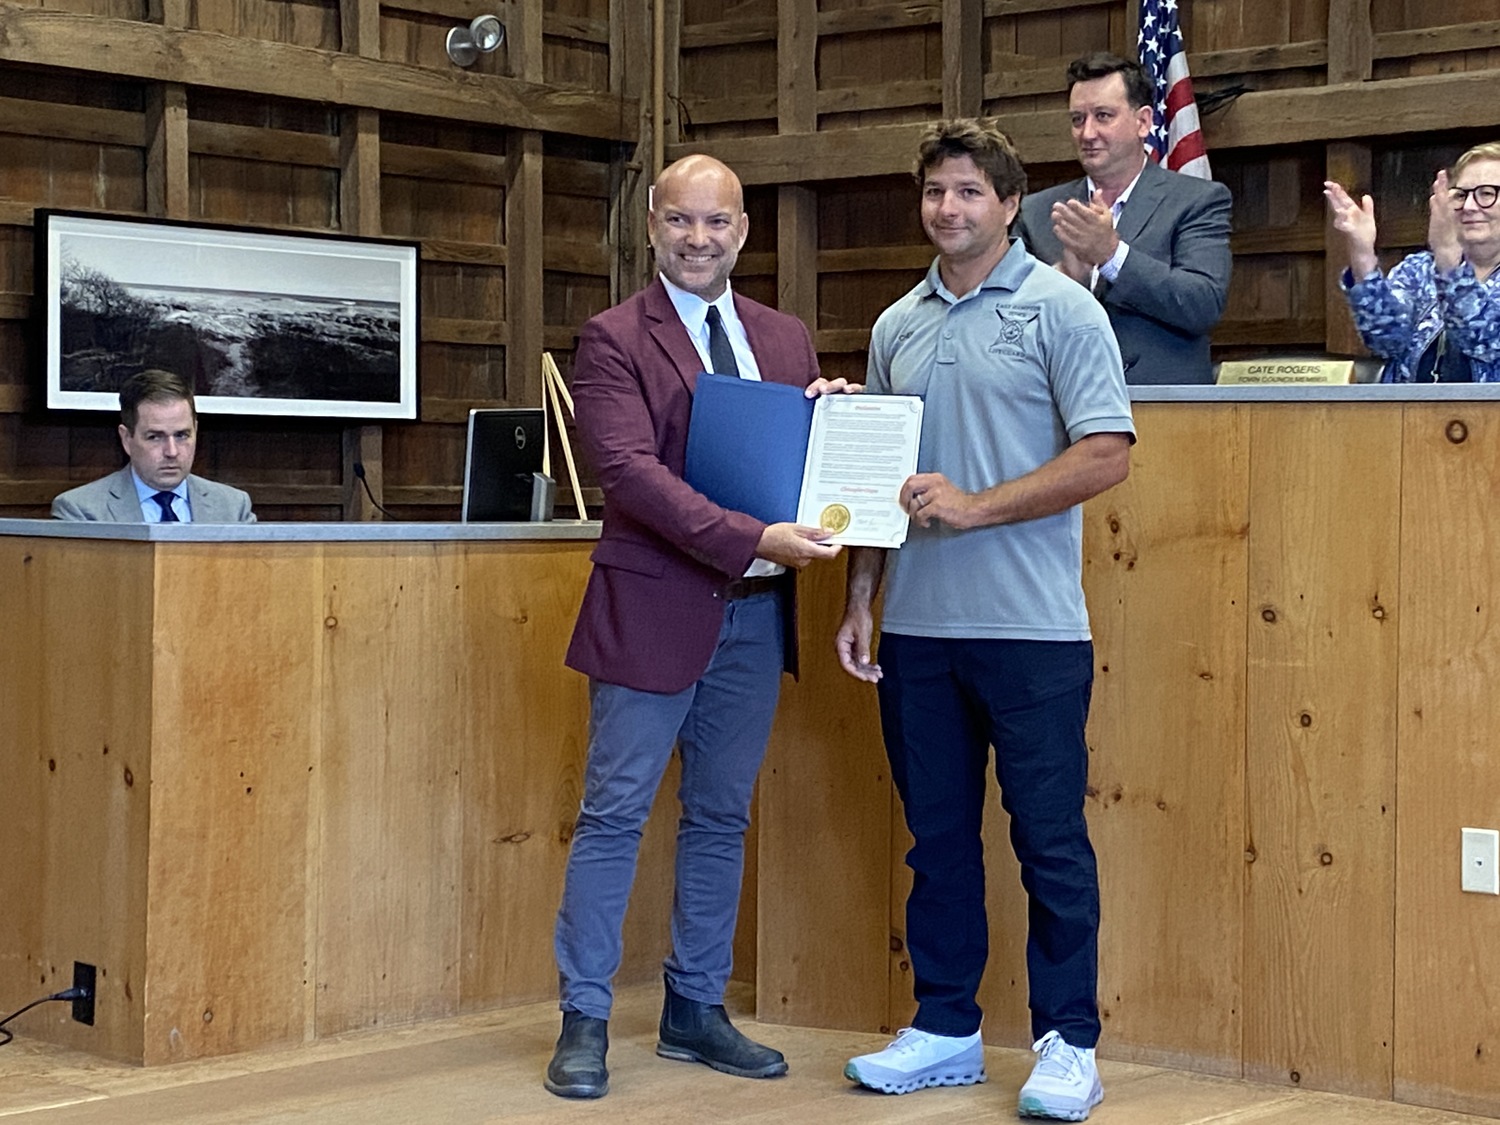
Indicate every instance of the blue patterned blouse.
{"type": "Point", "coordinates": [1400, 315]}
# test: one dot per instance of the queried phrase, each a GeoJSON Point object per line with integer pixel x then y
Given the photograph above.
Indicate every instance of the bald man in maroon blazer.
{"type": "Point", "coordinates": [685, 629]}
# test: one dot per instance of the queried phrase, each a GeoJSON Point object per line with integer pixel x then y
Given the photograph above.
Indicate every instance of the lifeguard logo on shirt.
{"type": "Point", "coordinates": [1017, 333]}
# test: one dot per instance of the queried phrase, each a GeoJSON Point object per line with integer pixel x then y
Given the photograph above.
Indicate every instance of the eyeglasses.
{"type": "Point", "coordinates": [1484, 196]}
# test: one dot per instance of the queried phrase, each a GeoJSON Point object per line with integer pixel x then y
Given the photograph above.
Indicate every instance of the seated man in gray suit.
{"type": "Point", "coordinates": [1153, 245]}
{"type": "Point", "coordinates": [159, 430]}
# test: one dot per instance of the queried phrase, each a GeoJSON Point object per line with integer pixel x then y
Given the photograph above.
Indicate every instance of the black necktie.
{"type": "Point", "coordinates": [165, 500]}
{"type": "Point", "coordinates": [720, 354]}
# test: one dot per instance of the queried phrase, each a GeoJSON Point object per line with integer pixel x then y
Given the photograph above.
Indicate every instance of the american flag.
{"type": "Point", "coordinates": [1176, 139]}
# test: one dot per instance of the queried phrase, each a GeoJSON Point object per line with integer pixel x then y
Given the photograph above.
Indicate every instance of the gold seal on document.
{"type": "Point", "coordinates": [835, 518]}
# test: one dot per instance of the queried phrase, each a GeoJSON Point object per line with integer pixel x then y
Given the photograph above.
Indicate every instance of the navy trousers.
{"type": "Point", "coordinates": [943, 703]}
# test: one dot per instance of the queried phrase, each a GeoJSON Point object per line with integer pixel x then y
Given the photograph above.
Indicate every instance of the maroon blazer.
{"type": "Point", "coordinates": [652, 612]}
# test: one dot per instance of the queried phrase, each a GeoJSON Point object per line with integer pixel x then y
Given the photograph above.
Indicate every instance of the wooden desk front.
{"type": "Point", "coordinates": [1296, 611]}
{"type": "Point", "coordinates": [278, 789]}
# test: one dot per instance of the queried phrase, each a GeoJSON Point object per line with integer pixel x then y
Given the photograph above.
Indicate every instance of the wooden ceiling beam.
{"type": "Point", "coordinates": [1391, 107]}
{"type": "Point", "coordinates": [134, 49]}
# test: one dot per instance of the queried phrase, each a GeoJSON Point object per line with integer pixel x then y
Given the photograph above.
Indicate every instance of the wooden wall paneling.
{"type": "Point", "coordinates": [1350, 164]}
{"type": "Point", "coordinates": [870, 78]}
{"type": "Point", "coordinates": [167, 150]}
{"type": "Point", "coordinates": [825, 830]}
{"type": "Point", "coordinates": [522, 763]}
{"type": "Point", "coordinates": [263, 193]}
{"type": "Point", "coordinates": [1447, 942]}
{"type": "Point", "coordinates": [305, 23]}
{"type": "Point", "coordinates": [59, 173]}
{"type": "Point", "coordinates": [1275, 300]}
{"type": "Point", "coordinates": [467, 219]}
{"type": "Point", "coordinates": [292, 471]}
{"type": "Point", "coordinates": [78, 771]}
{"type": "Point", "coordinates": [575, 48]}
{"type": "Point", "coordinates": [1396, 15]}
{"type": "Point", "coordinates": [1167, 737]}
{"type": "Point", "coordinates": [417, 34]}
{"type": "Point", "coordinates": [1320, 761]}
{"type": "Point", "coordinates": [234, 705]}
{"type": "Point", "coordinates": [171, 13]}
{"type": "Point", "coordinates": [432, 453]}
{"type": "Point", "coordinates": [264, 66]}
{"type": "Point", "coordinates": [392, 622]}
{"type": "Point", "coordinates": [963, 47]}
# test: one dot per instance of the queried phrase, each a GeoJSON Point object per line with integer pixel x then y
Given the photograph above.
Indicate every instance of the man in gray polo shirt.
{"type": "Point", "coordinates": [985, 636]}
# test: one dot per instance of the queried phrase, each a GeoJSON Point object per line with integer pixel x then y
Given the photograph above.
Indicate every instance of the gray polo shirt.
{"type": "Point", "coordinates": [1010, 375]}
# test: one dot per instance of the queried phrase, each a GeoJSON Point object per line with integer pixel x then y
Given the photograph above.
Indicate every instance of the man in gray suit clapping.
{"type": "Point", "coordinates": [1152, 245]}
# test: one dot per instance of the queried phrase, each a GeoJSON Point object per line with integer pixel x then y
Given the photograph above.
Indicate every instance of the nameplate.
{"type": "Point", "coordinates": [1310, 372]}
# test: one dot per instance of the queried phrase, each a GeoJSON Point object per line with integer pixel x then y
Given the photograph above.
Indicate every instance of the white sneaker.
{"type": "Point", "coordinates": [1064, 1085]}
{"type": "Point", "coordinates": [916, 1059]}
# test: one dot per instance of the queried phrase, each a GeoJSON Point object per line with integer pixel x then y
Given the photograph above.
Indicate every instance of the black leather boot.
{"type": "Point", "coordinates": [694, 1032]}
{"type": "Point", "coordinates": [577, 1066]}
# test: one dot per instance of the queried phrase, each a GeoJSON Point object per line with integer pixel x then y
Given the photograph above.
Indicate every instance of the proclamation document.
{"type": "Point", "coordinates": [860, 451]}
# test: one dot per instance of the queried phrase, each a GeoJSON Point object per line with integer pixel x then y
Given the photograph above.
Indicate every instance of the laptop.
{"type": "Point", "coordinates": [503, 477]}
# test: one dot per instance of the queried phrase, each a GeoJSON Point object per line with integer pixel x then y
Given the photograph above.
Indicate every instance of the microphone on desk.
{"type": "Point", "coordinates": [359, 471]}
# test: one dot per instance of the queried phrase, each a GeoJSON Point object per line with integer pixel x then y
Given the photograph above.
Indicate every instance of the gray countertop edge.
{"type": "Point", "coordinates": [305, 532]}
{"type": "Point", "coordinates": [1295, 393]}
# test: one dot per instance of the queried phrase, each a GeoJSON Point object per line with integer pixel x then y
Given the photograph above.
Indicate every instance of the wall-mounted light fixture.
{"type": "Point", "coordinates": [483, 35]}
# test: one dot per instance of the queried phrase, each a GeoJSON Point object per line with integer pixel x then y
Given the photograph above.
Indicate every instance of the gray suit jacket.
{"type": "Point", "coordinates": [1171, 290]}
{"type": "Point", "coordinates": [113, 499]}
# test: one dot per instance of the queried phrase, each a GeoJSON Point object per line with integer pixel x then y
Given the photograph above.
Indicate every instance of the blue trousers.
{"type": "Point", "coordinates": [943, 703]}
{"type": "Point", "coordinates": [720, 726]}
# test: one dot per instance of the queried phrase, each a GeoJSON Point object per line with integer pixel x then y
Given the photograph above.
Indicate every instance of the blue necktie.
{"type": "Point", "coordinates": [720, 354]}
{"type": "Point", "coordinates": [165, 500]}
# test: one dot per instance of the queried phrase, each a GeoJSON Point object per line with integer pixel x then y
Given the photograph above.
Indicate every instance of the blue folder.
{"type": "Point", "coordinates": [747, 444]}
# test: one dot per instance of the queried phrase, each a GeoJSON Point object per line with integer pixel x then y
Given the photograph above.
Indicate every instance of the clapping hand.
{"type": "Point", "coordinates": [1444, 233]}
{"type": "Point", "coordinates": [1356, 222]}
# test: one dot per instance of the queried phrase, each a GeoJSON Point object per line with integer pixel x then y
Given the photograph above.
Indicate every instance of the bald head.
{"type": "Point", "coordinates": [698, 224]}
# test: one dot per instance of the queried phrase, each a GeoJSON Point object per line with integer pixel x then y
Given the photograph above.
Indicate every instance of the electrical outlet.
{"type": "Point", "coordinates": [1481, 852]}
{"type": "Point", "coordinates": [83, 977]}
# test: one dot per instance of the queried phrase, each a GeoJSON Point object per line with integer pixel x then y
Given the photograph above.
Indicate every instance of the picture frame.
{"type": "Point", "coordinates": [258, 322]}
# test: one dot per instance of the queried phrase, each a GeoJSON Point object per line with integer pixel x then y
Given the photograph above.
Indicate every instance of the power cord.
{"type": "Point", "coordinates": [359, 471]}
{"type": "Point", "coordinates": [65, 994]}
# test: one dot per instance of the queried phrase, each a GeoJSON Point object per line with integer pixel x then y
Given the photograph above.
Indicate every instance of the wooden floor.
{"type": "Point", "coordinates": [488, 1069]}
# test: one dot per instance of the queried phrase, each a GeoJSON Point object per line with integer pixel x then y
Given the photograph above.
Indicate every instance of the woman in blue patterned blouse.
{"type": "Point", "coordinates": [1436, 316]}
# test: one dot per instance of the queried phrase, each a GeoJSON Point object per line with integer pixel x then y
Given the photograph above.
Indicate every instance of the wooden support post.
{"type": "Point", "coordinates": [168, 13]}
{"type": "Point", "coordinates": [1351, 41]}
{"type": "Point", "coordinates": [359, 26]}
{"type": "Point", "coordinates": [523, 271]}
{"type": "Point", "coordinates": [364, 448]}
{"type": "Point", "coordinates": [671, 56]}
{"type": "Point", "coordinates": [1348, 163]}
{"type": "Point", "coordinates": [796, 206]}
{"type": "Point", "coordinates": [963, 58]}
{"type": "Point", "coordinates": [167, 150]}
{"type": "Point", "coordinates": [359, 213]}
{"type": "Point", "coordinates": [359, 172]}
{"type": "Point", "coordinates": [523, 222]}
{"type": "Point", "coordinates": [630, 61]}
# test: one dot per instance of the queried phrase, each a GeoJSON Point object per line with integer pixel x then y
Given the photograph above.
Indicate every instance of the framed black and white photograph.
{"type": "Point", "coordinates": [258, 322]}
